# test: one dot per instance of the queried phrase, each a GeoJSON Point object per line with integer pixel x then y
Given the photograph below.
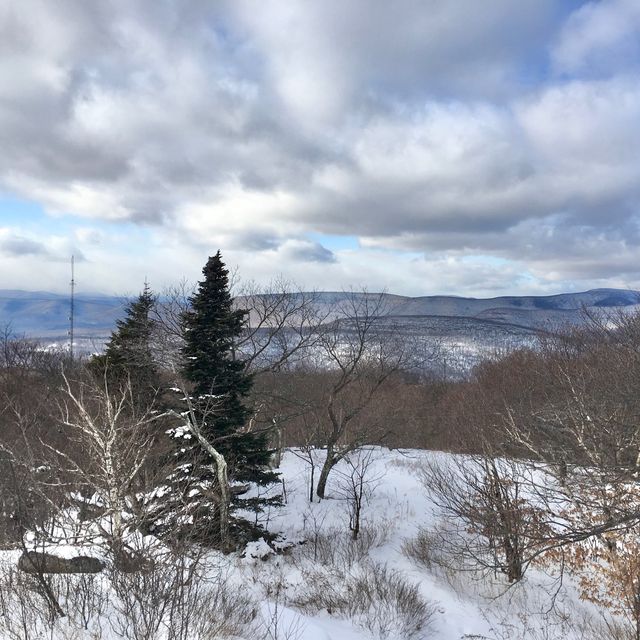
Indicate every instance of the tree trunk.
{"type": "Point", "coordinates": [222, 478]}
{"type": "Point", "coordinates": [277, 454]}
{"type": "Point", "coordinates": [329, 463]}
{"type": "Point", "coordinates": [225, 499]}
{"type": "Point", "coordinates": [313, 474]}
{"type": "Point", "coordinates": [355, 527]}
{"type": "Point", "coordinates": [357, 507]}
{"type": "Point", "coordinates": [514, 561]}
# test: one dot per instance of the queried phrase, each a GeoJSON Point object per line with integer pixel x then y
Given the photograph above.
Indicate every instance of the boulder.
{"type": "Point", "coordinates": [37, 562]}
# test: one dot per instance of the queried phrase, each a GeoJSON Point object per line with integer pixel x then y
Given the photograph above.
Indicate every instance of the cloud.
{"type": "Point", "coordinates": [15, 246]}
{"type": "Point", "coordinates": [599, 39]}
{"type": "Point", "coordinates": [306, 251]}
{"type": "Point", "coordinates": [130, 114]}
{"type": "Point", "coordinates": [430, 129]}
{"type": "Point", "coordinates": [454, 176]}
{"type": "Point", "coordinates": [326, 59]}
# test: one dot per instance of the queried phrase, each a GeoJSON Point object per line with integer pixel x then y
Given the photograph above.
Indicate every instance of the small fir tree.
{"type": "Point", "coordinates": [219, 388]}
{"type": "Point", "coordinates": [128, 356]}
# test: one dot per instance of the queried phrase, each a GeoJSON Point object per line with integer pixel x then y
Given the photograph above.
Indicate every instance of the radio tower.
{"type": "Point", "coordinates": [71, 308]}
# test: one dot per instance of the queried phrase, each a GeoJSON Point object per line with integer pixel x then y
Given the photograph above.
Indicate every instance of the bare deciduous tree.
{"type": "Point", "coordinates": [282, 328]}
{"type": "Point", "coordinates": [111, 441]}
{"type": "Point", "coordinates": [357, 484]}
{"type": "Point", "coordinates": [362, 352]}
{"type": "Point", "coordinates": [490, 521]}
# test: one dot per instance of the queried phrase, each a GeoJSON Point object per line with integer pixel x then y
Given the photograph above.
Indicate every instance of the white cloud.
{"type": "Point", "coordinates": [601, 37]}
{"type": "Point", "coordinates": [426, 128]}
{"type": "Point", "coordinates": [17, 244]}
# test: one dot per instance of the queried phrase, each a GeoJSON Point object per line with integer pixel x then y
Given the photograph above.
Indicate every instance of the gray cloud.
{"type": "Point", "coordinates": [18, 246]}
{"type": "Point", "coordinates": [255, 241]}
{"type": "Point", "coordinates": [13, 245]}
{"type": "Point", "coordinates": [438, 128]}
{"type": "Point", "coordinates": [306, 251]}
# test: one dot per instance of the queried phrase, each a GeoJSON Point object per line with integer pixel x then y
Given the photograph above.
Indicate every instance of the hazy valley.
{"type": "Point", "coordinates": [465, 329]}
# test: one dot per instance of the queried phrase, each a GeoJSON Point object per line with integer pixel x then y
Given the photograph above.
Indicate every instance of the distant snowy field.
{"type": "Point", "coordinates": [285, 591]}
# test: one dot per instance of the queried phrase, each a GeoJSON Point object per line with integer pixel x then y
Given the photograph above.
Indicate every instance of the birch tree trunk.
{"type": "Point", "coordinates": [221, 476]}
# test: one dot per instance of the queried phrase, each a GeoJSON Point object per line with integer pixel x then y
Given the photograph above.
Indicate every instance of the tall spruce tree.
{"type": "Point", "coordinates": [220, 386]}
{"type": "Point", "coordinates": [128, 356]}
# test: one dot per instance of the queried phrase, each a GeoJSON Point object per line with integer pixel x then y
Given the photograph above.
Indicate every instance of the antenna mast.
{"type": "Point", "coordinates": [71, 307]}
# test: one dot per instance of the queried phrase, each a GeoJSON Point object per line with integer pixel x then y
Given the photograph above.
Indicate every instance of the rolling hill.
{"type": "Point", "coordinates": [468, 327]}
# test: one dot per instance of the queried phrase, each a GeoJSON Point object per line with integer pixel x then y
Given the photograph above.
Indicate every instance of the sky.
{"type": "Point", "coordinates": [414, 146]}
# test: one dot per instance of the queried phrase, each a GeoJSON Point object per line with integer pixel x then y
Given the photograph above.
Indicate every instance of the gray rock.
{"type": "Point", "coordinates": [36, 562]}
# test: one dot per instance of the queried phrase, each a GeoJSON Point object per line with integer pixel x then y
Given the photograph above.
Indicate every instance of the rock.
{"type": "Point", "coordinates": [36, 562]}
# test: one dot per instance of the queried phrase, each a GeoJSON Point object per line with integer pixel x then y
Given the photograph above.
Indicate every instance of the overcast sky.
{"type": "Point", "coordinates": [418, 146]}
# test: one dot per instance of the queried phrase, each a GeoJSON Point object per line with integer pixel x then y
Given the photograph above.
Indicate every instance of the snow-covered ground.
{"type": "Point", "coordinates": [465, 604]}
{"type": "Point", "coordinates": [284, 595]}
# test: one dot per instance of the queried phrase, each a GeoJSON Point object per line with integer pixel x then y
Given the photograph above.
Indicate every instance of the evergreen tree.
{"type": "Point", "coordinates": [220, 385]}
{"type": "Point", "coordinates": [128, 356]}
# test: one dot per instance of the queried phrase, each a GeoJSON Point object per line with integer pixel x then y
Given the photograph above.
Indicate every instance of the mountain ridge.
{"type": "Point", "coordinates": [46, 314]}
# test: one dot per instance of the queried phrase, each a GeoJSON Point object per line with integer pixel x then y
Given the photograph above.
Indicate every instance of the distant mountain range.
{"type": "Point", "coordinates": [532, 312]}
{"type": "Point", "coordinates": [468, 324]}
{"type": "Point", "coordinates": [41, 314]}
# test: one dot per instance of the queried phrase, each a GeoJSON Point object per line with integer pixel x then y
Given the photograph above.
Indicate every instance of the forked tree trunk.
{"type": "Point", "coordinates": [225, 498]}
{"type": "Point", "coordinates": [329, 462]}
{"type": "Point", "coordinates": [222, 478]}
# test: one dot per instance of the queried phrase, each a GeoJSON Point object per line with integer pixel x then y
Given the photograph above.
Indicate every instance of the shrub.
{"type": "Point", "coordinates": [374, 597]}
{"type": "Point", "coordinates": [334, 547]}
{"type": "Point", "coordinates": [425, 549]}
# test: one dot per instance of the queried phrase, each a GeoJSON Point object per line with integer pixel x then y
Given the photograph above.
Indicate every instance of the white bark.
{"type": "Point", "coordinates": [220, 465]}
